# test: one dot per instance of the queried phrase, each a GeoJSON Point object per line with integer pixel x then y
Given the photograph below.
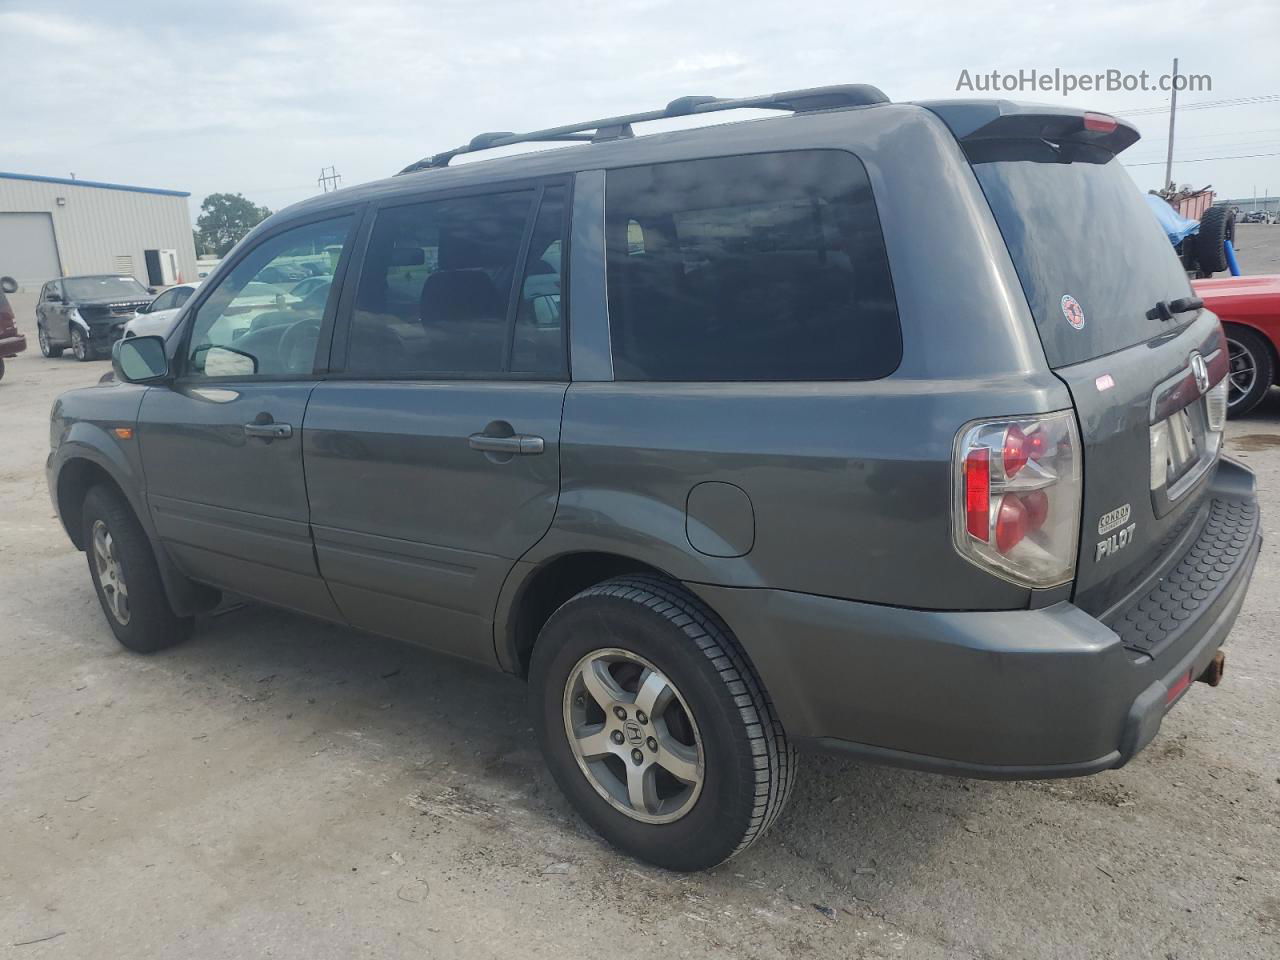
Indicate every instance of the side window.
{"type": "Point", "coordinates": [760, 267]}
{"type": "Point", "coordinates": [181, 296]}
{"type": "Point", "coordinates": [538, 343]}
{"type": "Point", "coordinates": [435, 293]}
{"type": "Point", "coordinates": [250, 326]}
{"type": "Point", "coordinates": [166, 301]}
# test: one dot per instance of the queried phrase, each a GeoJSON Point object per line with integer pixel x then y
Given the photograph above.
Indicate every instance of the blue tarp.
{"type": "Point", "coordinates": [1176, 227]}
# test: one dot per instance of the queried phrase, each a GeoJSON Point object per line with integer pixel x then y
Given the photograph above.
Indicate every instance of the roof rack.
{"type": "Point", "coordinates": [619, 128]}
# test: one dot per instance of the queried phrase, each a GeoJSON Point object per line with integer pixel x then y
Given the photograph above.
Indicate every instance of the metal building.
{"type": "Point", "coordinates": [55, 227]}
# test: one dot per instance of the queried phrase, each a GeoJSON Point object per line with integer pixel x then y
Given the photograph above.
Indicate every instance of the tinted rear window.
{"type": "Point", "coordinates": [762, 267]}
{"type": "Point", "coordinates": [1081, 230]}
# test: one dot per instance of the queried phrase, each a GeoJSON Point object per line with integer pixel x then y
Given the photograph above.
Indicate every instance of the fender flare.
{"type": "Point", "coordinates": [89, 443]}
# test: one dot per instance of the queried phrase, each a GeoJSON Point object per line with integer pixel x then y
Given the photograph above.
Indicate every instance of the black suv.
{"type": "Point", "coordinates": [86, 313]}
{"type": "Point", "coordinates": [888, 429]}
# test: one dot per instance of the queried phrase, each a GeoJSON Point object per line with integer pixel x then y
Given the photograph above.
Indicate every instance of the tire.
{"type": "Point", "coordinates": [1, 368]}
{"type": "Point", "coordinates": [80, 346]}
{"type": "Point", "coordinates": [1251, 370]}
{"type": "Point", "coordinates": [1217, 226]}
{"type": "Point", "coordinates": [46, 348]}
{"type": "Point", "coordinates": [120, 555]}
{"type": "Point", "coordinates": [718, 725]}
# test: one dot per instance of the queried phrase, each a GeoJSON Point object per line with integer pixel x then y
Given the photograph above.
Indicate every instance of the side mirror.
{"type": "Point", "coordinates": [140, 360]}
{"type": "Point", "coordinates": [151, 290]}
{"type": "Point", "coordinates": [54, 298]}
{"type": "Point", "coordinates": [8, 285]}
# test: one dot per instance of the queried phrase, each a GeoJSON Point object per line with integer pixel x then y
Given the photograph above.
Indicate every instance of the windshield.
{"type": "Point", "coordinates": [1091, 256]}
{"type": "Point", "coordinates": [104, 288]}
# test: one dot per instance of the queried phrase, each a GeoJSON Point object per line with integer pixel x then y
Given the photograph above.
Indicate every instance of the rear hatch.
{"type": "Point", "coordinates": [1111, 303]}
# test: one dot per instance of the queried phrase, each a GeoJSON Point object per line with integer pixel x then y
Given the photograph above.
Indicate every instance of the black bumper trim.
{"type": "Point", "coordinates": [958, 768]}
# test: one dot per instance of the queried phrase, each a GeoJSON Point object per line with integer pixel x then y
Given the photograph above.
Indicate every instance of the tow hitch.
{"type": "Point", "coordinates": [1213, 672]}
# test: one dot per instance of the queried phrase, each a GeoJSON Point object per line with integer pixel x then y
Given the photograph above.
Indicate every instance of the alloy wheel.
{"type": "Point", "coordinates": [43, 339]}
{"type": "Point", "coordinates": [110, 575]}
{"type": "Point", "coordinates": [633, 736]}
{"type": "Point", "coordinates": [78, 346]}
{"type": "Point", "coordinates": [1242, 373]}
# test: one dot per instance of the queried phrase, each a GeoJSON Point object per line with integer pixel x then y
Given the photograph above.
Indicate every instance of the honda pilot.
{"type": "Point", "coordinates": [891, 430]}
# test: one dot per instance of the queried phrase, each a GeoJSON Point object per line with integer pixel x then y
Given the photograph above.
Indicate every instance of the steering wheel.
{"type": "Point", "coordinates": [298, 344]}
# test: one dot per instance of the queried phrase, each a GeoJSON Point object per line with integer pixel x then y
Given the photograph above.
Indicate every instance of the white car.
{"type": "Point", "coordinates": [156, 318]}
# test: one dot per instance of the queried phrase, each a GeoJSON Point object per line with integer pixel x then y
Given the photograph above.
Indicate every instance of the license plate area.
{"type": "Point", "coordinates": [1183, 447]}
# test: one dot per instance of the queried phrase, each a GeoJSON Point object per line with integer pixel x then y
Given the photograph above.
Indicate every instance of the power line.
{"type": "Point", "coordinates": [1239, 156]}
{"type": "Point", "coordinates": [1202, 105]}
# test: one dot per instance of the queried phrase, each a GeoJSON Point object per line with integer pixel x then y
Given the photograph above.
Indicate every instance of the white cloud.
{"type": "Point", "coordinates": [256, 96]}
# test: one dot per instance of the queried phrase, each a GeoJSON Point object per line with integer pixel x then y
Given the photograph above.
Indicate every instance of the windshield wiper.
{"type": "Point", "coordinates": [1168, 309]}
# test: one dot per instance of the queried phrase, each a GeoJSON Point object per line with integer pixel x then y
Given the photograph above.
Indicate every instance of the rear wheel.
{"type": "Point", "coordinates": [46, 347]}
{"type": "Point", "coordinates": [1251, 370]}
{"type": "Point", "coordinates": [125, 575]}
{"type": "Point", "coordinates": [655, 726]}
{"type": "Point", "coordinates": [79, 344]}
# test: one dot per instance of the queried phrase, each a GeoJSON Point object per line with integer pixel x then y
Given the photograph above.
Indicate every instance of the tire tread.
{"type": "Point", "coordinates": [773, 756]}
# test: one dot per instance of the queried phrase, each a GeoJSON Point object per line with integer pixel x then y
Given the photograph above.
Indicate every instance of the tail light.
{"type": "Point", "coordinates": [1017, 504]}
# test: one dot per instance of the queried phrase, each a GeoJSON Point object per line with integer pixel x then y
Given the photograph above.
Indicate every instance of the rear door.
{"type": "Point", "coordinates": [433, 452]}
{"type": "Point", "coordinates": [1103, 284]}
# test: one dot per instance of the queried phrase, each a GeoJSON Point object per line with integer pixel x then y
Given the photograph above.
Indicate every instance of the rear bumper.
{"type": "Point", "coordinates": [12, 346]}
{"type": "Point", "coordinates": [1017, 694]}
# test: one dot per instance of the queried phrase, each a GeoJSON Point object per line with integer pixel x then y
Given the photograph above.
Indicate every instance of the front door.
{"type": "Point", "coordinates": [432, 459]}
{"type": "Point", "coordinates": [51, 313]}
{"type": "Point", "coordinates": [222, 446]}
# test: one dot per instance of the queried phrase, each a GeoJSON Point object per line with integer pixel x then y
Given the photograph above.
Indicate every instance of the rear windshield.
{"type": "Point", "coordinates": [1091, 256]}
{"type": "Point", "coordinates": [104, 288]}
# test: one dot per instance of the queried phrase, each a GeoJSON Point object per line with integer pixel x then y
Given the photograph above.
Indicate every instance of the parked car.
{"type": "Point", "coordinates": [157, 317]}
{"type": "Point", "coordinates": [1257, 216]}
{"type": "Point", "coordinates": [86, 313]}
{"type": "Point", "coordinates": [12, 342]}
{"type": "Point", "coordinates": [1249, 308]}
{"type": "Point", "coordinates": [799, 474]}
{"type": "Point", "coordinates": [304, 288]}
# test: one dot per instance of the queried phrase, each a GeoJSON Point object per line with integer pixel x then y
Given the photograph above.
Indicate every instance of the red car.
{"type": "Point", "coordinates": [1249, 308]}
{"type": "Point", "coordinates": [12, 343]}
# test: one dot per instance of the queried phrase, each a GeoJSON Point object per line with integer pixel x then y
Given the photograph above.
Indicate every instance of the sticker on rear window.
{"type": "Point", "coordinates": [1072, 310]}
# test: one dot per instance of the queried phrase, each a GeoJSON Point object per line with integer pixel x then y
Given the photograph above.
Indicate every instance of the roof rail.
{"type": "Point", "coordinates": [619, 128]}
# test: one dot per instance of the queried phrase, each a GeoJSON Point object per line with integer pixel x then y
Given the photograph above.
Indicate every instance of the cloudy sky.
{"type": "Point", "coordinates": [255, 97]}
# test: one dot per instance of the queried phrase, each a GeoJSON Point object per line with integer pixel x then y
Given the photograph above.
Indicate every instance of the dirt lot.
{"type": "Point", "coordinates": [281, 788]}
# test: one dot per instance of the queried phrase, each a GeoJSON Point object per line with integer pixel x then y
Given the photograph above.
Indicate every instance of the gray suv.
{"type": "Point", "coordinates": [892, 430]}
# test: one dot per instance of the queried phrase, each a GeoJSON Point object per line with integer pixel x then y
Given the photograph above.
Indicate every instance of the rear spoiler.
{"type": "Point", "coordinates": [975, 120]}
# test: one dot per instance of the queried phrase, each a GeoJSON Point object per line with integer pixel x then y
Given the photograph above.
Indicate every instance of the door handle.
{"type": "Point", "coordinates": [269, 431]}
{"type": "Point", "coordinates": [522, 443]}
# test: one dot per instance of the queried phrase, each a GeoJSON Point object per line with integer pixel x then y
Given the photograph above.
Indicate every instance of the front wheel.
{"type": "Point", "coordinates": [655, 725]}
{"type": "Point", "coordinates": [125, 575]}
{"type": "Point", "coordinates": [1251, 370]}
{"type": "Point", "coordinates": [79, 344]}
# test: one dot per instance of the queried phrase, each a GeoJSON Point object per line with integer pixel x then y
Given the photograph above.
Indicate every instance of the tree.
{"type": "Point", "coordinates": [224, 219]}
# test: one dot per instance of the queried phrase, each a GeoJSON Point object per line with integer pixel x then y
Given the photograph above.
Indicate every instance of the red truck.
{"type": "Point", "coordinates": [1249, 308]}
{"type": "Point", "coordinates": [12, 343]}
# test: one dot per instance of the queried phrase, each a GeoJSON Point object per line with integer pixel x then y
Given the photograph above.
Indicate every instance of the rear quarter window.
{"type": "Point", "coordinates": [761, 267]}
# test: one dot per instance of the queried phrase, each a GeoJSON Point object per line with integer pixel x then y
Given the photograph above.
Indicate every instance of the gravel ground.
{"type": "Point", "coordinates": [278, 787]}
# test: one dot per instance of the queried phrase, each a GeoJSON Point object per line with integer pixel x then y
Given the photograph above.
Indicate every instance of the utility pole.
{"type": "Point", "coordinates": [330, 179]}
{"type": "Point", "coordinates": [1173, 109]}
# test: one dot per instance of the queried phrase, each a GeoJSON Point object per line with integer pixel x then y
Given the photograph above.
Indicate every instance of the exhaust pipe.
{"type": "Point", "coordinates": [1213, 672]}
